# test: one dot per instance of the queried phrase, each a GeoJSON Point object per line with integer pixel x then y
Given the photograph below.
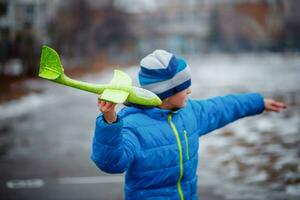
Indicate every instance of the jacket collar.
{"type": "Point", "coordinates": [153, 112]}
{"type": "Point", "coordinates": [159, 113]}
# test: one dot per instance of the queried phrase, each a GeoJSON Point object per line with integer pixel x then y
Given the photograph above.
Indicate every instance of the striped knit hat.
{"type": "Point", "coordinates": [164, 74]}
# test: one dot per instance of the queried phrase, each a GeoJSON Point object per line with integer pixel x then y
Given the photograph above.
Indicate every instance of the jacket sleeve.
{"type": "Point", "coordinates": [217, 112]}
{"type": "Point", "coordinates": [114, 146]}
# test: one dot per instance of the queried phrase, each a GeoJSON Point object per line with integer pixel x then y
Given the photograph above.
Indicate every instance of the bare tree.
{"type": "Point", "coordinates": [79, 30]}
{"type": "Point", "coordinates": [114, 30]}
{"type": "Point", "coordinates": [70, 29]}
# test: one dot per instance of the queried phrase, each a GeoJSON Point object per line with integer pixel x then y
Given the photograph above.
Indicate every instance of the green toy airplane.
{"type": "Point", "coordinates": [119, 90]}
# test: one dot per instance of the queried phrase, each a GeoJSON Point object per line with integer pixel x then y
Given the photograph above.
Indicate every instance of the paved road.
{"type": "Point", "coordinates": [101, 187]}
{"type": "Point", "coordinates": [57, 189]}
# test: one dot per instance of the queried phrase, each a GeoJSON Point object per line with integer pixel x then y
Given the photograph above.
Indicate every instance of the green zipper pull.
{"type": "Point", "coordinates": [186, 144]}
{"type": "Point", "coordinates": [174, 129]}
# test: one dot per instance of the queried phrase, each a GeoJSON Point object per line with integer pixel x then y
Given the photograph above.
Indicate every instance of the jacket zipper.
{"type": "Point", "coordinates": [174, 129]}
{"type": "Point", "coordinates": [186, 144]}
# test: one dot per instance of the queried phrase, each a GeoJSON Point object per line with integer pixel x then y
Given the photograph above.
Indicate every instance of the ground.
{"type": "Point", "coordinates": [45, 137]}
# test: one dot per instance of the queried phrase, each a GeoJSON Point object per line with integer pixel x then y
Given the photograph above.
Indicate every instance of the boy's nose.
{"type": "Point", "coordinates": [189, 91]}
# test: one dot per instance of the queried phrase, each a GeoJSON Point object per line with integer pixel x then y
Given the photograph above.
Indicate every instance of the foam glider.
{"type": "Point", "coordinates": [119, 90]}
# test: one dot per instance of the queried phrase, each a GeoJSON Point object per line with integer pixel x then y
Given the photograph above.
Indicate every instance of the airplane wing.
{"type": "Point", "coordinates": [114, 95]}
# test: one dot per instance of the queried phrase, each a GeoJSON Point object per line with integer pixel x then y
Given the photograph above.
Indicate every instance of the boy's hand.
{"type": "Point", "coordinates": [108, 110]}
{"type": "Point", "coordinates": [274, 106]}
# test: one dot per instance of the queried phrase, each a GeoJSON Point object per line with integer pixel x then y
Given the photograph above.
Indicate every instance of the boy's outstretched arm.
{"type": "Point", "coordinates": [217, 112]}
{"type": "Point", "coordinates": [114, 145]}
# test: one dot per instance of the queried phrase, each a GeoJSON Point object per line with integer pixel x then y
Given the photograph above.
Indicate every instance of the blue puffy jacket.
{"type": "Point", "coordinates": [158, 149]}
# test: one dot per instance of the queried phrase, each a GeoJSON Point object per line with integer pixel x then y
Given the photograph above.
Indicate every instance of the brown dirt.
{"type": "Point", "coordinates": [11, 87]}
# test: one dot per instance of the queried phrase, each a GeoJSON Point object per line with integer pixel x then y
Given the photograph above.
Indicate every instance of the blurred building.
{"type": "Point", "coordinates": [23, 29]}
{"type": "Point", "coordinates": [291, 17]}
{"type": "Point", "coordinates": [190, 27]}
{"type": "Point", "coordinates": [249, 25]}
{"type": "Point", "coordinates": [17, 15]}
{"type": "Point", "coordinates": [255, 25]}
{"type": "Point", "coordinates": [178, 26]}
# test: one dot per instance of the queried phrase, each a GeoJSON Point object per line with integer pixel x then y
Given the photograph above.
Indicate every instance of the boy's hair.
{"type": "Point", "coordinates": [164, 74]}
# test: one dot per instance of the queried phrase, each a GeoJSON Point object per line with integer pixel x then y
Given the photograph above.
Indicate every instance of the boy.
{"type": "Point", "coordinates": [158, 147]}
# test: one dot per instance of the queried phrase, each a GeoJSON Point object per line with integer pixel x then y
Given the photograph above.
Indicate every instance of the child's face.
{"type": "Point", "coordinates": [178, 100]}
